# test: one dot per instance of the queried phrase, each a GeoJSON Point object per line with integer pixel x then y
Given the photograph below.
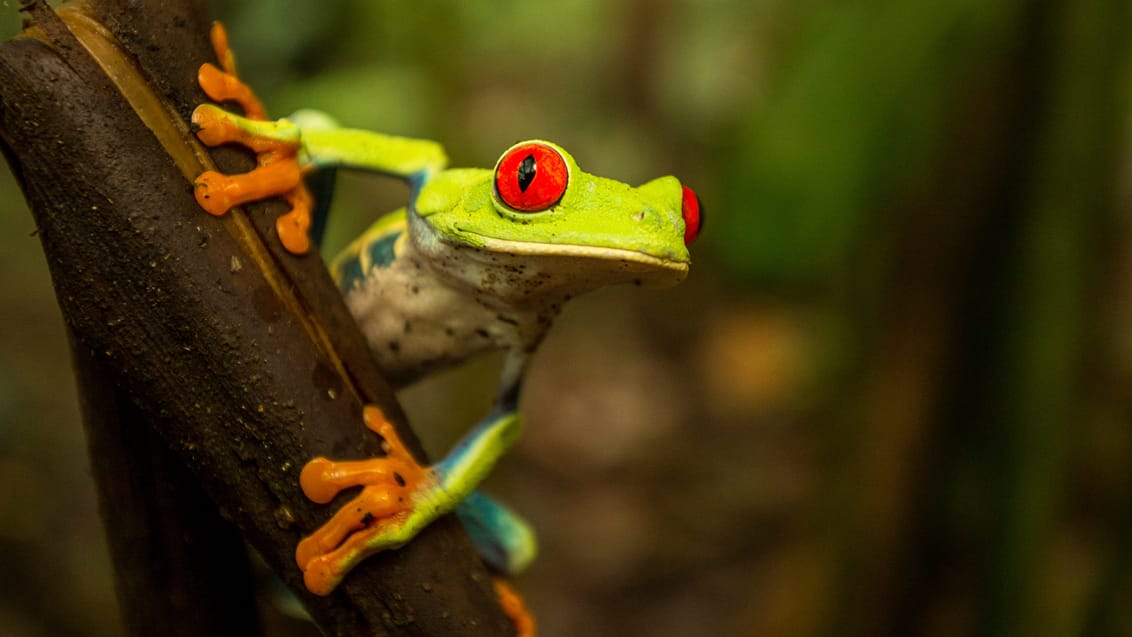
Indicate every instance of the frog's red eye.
{"type": "Point", "coordinates": [531, 177]}
{"type": "Point", "coordinates": [693, 216]}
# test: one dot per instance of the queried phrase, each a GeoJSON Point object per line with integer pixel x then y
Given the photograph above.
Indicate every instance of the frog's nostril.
{"type": "Point", "coordinates": [693, 212]}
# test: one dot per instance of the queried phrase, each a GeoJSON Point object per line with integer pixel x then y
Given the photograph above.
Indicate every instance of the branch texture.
{"type": "Point", "coordinates": [242, 357]}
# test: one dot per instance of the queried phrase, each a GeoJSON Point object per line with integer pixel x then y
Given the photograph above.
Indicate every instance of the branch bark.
{"type": "Point", "coordinates": [240, 356]}
{"type": "Point", "coordinates": [181, 569]}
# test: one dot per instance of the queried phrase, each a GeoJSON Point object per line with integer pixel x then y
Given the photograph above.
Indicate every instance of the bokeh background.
{"type": "Point", "coordinates": [892, 397]}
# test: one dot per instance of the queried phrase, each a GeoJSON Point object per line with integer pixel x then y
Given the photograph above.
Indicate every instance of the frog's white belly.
{"type": "Point", "coordinates": [416, 321]}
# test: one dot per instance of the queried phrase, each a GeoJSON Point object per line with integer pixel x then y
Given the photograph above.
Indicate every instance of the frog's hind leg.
{"type": "Point", "coordinates": [503, 539]}
{"type": "Point", "coordinates": [278, 171]}
{"type": "Point", "coordinates": [515, 608]}
{"type": "Point", "coordinates": [217, 192]}
{"type": "Point", "coordinates": [322, 180]}
{"type": "Point", "coordinates": [276, 145]}
{"type": "Point", "coordinates": [223, 84]}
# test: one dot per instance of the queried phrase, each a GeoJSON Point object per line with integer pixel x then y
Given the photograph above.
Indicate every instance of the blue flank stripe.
{"type": "Point", "coordinates": [381, 252]}
{"type": "Point", "coordinates": [349, 272]}
{"type": "Point", "coordinates": [376, 247]}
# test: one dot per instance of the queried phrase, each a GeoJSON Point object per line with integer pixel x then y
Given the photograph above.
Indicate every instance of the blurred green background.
{"type": "Point", "coordinates": [893, 396]}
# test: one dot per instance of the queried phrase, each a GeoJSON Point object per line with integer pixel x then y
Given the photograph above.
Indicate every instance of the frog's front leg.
{"type": "Point", "coordinates": [399, 496]}
{"type": "Point", "coordinates": [391, 508]}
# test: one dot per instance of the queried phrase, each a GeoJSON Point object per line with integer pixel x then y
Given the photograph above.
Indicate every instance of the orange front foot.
{"type": "Point", "coordinates": [276, 146]}
{"type": "Point", "coordinates": [392, 507]}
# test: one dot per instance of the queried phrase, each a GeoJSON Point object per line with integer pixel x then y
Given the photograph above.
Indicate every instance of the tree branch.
{"type": "Point", "coordinates": [181, 569]}
{"type": "Point", "coordinates": [241, 357]}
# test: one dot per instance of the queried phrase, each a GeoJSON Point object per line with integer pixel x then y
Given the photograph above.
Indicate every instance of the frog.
{"type": "Point", "coordinates": [478, 260]}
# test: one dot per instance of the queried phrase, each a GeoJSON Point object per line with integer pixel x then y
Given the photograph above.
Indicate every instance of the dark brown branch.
{"type": "Point", "coordinates": [181, 569]}
{"type": "Point", "coordinates": [212, 345]}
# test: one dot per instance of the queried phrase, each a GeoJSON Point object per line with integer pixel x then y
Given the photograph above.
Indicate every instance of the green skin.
{"type": "Point", "coordinates": [458, 272]}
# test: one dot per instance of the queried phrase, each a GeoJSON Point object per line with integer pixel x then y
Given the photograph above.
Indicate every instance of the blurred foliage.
{"type": "Point", "coordinates": [857, 108]}
{"type": "Point", "coordinates": [892, 397]}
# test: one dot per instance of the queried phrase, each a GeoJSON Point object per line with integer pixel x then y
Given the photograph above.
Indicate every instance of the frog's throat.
{"type": "Point", "coordinates": [635, 260]}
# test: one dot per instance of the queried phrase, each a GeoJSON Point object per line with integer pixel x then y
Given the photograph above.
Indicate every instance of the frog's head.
{"type": "Point", "coordinates": [538, 210]}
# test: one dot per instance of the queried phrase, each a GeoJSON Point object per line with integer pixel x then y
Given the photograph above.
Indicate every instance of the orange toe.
{"type": "Point", "coordinates": [515, 608]}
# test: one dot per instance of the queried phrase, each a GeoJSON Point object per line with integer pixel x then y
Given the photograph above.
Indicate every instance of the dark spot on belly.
{"type": "Point", "coordinates": [395, 346]}
{"type": "Point", "coordinates": [483, 333]}
{"type": "Point", "coordinates": [408, 327]}
{"type": "Point", "coordinates": [400, 480]}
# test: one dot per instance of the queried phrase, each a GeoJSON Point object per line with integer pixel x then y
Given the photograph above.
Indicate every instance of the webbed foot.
{"type": "Point", "coordinates": [276, 145]}
{"type": "Point", "coordinates": [399, 497]}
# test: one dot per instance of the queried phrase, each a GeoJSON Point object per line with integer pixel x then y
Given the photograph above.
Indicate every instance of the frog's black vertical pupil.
{"type": "Point", "coordinates": [527, 172]}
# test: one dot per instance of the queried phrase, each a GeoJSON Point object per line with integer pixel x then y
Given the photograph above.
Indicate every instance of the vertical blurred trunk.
{"type": "Point", "coordinates": [1036, 405]}
{"type": "Point", "coordinates": [974, 387]}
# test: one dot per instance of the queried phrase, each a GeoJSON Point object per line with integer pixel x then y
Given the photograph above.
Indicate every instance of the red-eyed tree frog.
{"type": "Point", "coordinates": [479, 259]}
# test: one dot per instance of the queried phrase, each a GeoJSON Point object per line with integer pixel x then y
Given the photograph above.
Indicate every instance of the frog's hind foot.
{"type": "Point", "coordinates": [515, 608]}
{"type": "Point", "coordinates": [223, 84]}
{"type": "Point", "coordinates": [275, 144]}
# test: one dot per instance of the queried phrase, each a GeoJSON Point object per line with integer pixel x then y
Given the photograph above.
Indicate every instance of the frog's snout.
{"type": "Point", "coordinates": [693, 213]}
